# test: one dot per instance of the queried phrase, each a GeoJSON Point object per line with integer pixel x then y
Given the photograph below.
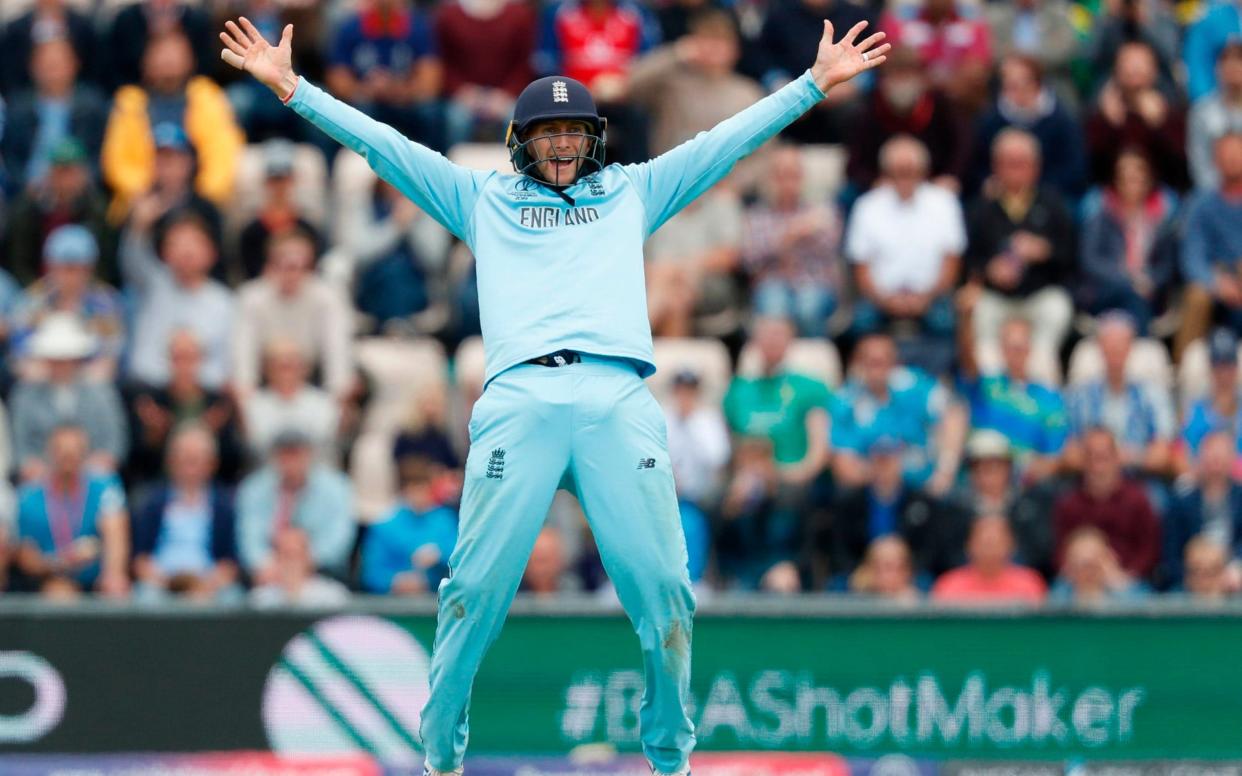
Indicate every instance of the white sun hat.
{"type": "Point", "coordinates": [62, 337]}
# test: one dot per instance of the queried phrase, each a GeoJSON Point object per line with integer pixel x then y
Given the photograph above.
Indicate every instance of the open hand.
{"type": "Point", "coordinates": [839, 62]}
{"type": "Point", "coordinates": [245, 49]}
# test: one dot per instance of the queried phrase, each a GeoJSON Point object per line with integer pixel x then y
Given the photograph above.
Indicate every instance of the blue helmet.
{"type": "Point", "coordinates": [555, 97]}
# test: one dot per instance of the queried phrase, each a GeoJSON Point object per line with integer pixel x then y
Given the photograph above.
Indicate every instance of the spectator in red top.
{"type": "Point", "coordinates": [956, 50]}
{"type": "Point", "coordinates": [595, 41]}
{"type": "Point", "coordinates": [990, 573]}
{"type": "Point", "coordinates": [1116, 505]}
{"type": "Point", "coordinates": [486, 47]}
{"type": "Point", "coordinates": [382, 60]}
{"type": "Point", "coordinates": [1131, 111]}
{"type": "Point", "coordinates": [906, 103]}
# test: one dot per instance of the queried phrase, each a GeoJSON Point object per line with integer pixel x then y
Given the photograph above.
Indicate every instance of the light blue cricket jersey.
{"type": "Point", "coordinates": [552, 275]}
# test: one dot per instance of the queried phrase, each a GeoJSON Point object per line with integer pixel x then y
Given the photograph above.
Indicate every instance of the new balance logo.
{"type": "Point", "coordinates": [560, 92]}
{"type": "Point", "coordinates": [496, 465]}
{"type": "Point", "coordinates": [646, 463]}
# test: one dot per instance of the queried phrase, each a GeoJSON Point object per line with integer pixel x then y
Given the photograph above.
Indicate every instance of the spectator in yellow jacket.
{"type": "Point", "coordinates": [170, 93]}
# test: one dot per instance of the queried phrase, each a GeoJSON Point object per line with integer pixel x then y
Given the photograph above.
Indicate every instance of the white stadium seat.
{"type": "Point", "coordinates": [816, 358]}
{"type": "Point", "coordinates": [1148, 362]}
{"type": "Point", "coordinates": [1042, 365]}
{"type": "Point", "coordinates": [706, 357]}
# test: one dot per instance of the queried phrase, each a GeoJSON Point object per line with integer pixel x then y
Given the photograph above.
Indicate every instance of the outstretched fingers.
{"type": "Point", "coordinates": [251, 30]}
{"type": "Point", "coordinates": [232, 45]}
{"type": "Point", "coordinates": [875, 57]}
{"type": "Point", "coordinates": [854, 32]}
{"type": "Point", "coordinates": [871, 41]}
{"type": "Point", "coordinates": [828, 32]}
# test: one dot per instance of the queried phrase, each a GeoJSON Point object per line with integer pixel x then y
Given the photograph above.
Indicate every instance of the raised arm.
{"type": "Point", "coordinates": [672, 180]}
{"type": "Point", "coordinates": [447, 192]}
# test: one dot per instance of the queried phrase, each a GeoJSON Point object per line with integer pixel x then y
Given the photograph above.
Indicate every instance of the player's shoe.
{"type": "Point", "coordinates": [429, 771]}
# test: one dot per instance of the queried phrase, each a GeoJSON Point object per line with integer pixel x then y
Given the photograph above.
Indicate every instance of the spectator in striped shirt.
{"type": "Point", "coordinates": [1139, 414]}
{"type": "Point", "coordinates": [790, 249]}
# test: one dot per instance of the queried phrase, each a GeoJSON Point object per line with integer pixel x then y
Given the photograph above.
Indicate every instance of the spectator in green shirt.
{"type": "Point", "coordinates": [787, 408]}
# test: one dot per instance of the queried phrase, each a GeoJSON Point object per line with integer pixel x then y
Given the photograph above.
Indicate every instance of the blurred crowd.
{"type": "Point", "coordinates": [968, 330]}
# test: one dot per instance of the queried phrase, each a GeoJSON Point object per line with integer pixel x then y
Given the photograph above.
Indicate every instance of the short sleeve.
{"type": "Point", "coordinates": [954, 225]}
{"type": "Point", "coordinates": [859, 245]}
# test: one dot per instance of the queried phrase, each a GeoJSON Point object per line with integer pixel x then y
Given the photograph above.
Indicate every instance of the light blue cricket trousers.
{"type": "Point", "coordinates": [595, 429]}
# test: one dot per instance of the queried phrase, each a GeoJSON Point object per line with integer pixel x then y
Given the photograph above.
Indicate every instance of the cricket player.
{"type": "Point", "coordinates": [559, 253]}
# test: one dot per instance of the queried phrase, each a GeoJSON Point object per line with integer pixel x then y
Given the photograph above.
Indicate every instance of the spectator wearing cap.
{"type": "Point", "coordinates": [66, 196]}
{"type": "Point", "coordinates": [1211, 250]}
{"type": "Point", "coordinates": [1021, 246]}
{"type": "Point", "coordinates": [172, 189]}
{"type": "Point", "coordinates": [1031, 416]}
{"type": "Point", "coordinates": [1116, 505]}
{"type": "Point", "coordinates": [47, 20]}
{"type": "Point", "coordinates": [1214, 115]}
{"type": "Point", "coordinates": [1092, 574]}
{"type": "Point", "coordinates": [906, 103]}
{"type": "Point", "coordinates": [954, 44]}
{"type": "Point", "coordinates": [155, 411]}
{"type": "Point", "coordinates": [1221, 23]}
{"type": "Point", "coordinates": [1128, 243]}
{"type": "Point", "coordinates": [289, 401]}
{"type": "Point", "coordinates": [886, 505]}
{"type": "Point", "coordinates": [486, 47]}
{"type": "Point", "coordinates": [885, 399]}
{"type": "Point", "coordinates": [407, 552]}
{"type": "Point", "coordinates": [69, 286]}
{"type": "Point", "coordinates": [787, 408]}
{"type": "Point", "coordinates": [791, 248]}
{"type": "Point", "coordinates": [990, 574]}
{"type": "Point", "coordinates": [293, 581]}
{"type": "Point", "coordinates": [184, 540]}
{"type": "Point", "coordinates": [290, 302]}
{"type": "Point", "coordinates": [1221, 408]}
{"type": "Point", "coordinates": [169, 276]}
{"type": "Point", "coordinates": [1027, 102]}
{"type": "Point", "coordinates": [383, 60]}
{"type": "Point", "coordinates": [788, 40]}
{"type": "Point", "coordinates": [1209, 505]}
{"type": "Point", "coordinates": [72, 525]}
{"type": "Point", "coordinates": [279, 214]}
{"type": "Point", "coordinates": [905, 239]}
{"type": "Point", "coordinates": [1140, 415]}
{"type": "Point", "coordinates": [170, 93]}
{"type": "Point", "coordinates": [64, 396]}
{"type": "Point", "coordinates": [698, 448]}
{"type": "Point", "coordinates": [292, 490]}
{"type": "Point", "coordinates": [689, 85]}
{"type": "Point", "coordinates": [991, 488]}
{"type": "Point", "coordinates": [1132, 110]}
{"type": "Point", "coordinates": [400, 255]}
{"type": "Point", "coordinates": [54, 107]}
{"type": "Point", "coordinates": [698, 441]}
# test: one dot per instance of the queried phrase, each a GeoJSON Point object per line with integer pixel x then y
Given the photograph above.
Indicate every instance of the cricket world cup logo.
{"type": "Point", "coordinates": [349, 684]}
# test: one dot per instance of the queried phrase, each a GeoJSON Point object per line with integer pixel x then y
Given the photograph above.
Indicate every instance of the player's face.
{"type": "Point", "coordinates": [559, 146]}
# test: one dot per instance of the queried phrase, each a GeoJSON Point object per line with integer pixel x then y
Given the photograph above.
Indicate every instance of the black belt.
{"type": "Point", "coordinates": [559, 358]}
